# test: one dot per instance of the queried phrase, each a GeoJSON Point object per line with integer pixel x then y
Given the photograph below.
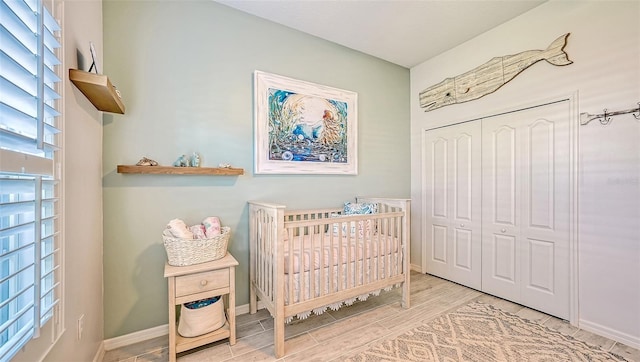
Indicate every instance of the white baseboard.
{"type": "Point", "coordinates": [146, 334]}
{"type": "Point", "coordinates": [629, 340]}
{"type": "Point", "coordinates": [416, 268]}
{"type": "Point", "coordinates": [136, 337]}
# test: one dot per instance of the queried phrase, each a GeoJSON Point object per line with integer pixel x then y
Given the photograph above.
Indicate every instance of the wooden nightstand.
{"type": "Point", "coordinates": [201, 281]}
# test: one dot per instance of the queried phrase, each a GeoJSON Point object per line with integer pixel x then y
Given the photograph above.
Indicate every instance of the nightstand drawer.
{"type": "Point", "coordinates": [202, 282]}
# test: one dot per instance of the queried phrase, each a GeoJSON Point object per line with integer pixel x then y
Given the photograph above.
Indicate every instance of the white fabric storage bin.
{"type": "Point", "coordinates": [199, 321]}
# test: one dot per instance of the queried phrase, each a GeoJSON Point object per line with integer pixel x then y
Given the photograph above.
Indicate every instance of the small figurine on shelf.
{"type": "Point", "coordinates": [146, 162]}
{"type": "Point", "coordinates": [224, 165]}
{"type": "Point", "coordinates": [195, 160]}
{"type": "Point", "coordinates": [181, 161]}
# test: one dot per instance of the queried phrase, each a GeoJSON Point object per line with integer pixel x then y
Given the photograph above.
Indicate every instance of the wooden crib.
{"type": "Point", "coordinates": [304, 261]}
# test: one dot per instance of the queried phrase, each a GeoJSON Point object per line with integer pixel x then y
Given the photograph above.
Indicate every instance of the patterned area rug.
{"type": "Point", "coordinates": [480, 332]}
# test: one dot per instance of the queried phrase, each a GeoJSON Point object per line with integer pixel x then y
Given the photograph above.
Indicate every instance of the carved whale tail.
{"type": "Point", "coordinates": [555, 53]}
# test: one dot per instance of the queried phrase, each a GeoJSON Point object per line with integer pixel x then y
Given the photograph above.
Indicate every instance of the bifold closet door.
{"type": "Point", "coordinates": [525, 207]}
{"type": "Point", "coordinates": [452, 186]}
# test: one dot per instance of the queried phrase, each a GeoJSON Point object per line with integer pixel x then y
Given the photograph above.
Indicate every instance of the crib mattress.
{"type": "Point", "coordinates": [307, 285]}
{"type": "Point", "coordinates": [328, 250]}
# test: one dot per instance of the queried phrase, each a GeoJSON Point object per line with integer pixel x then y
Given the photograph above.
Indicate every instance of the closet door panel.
{"type": "Point", "coordinates": [541, 255]}
{"type": "Point", "coordinates": [439, 174]}
{"type": "Point", "coordinates": [463, 249]}
{"type": "Point", "coordinates": [463, 190]}
{"type": "Point", "coordinates": [545, 209]}
{"type": "Point", "coordinates": [437, 215]}
{"type": "Point", "coordinates": [503, 168]}
{"type": "Point", "coordinates": [504, 259]}
{"type": "Point", "coordinates": [541, 175]}
{"type": "Point", "coordinates": [453, 189]}
{"type": "Point", "coordinates": [462, 177]}
{"type": "Point", "coordinates": [501, 187]}
{"type": "Point", "coordinates": [439, 249]}
{"type": "Point", "coordinates": [526, 200]}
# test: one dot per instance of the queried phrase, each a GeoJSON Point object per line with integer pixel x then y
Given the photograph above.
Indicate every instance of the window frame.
{"type": "Point", "coordinates": [48, 207]}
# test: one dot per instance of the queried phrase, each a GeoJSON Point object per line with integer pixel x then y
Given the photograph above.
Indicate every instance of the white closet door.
{"type": "Point", "coordinates": [525, 212]}
{"type": "Point", "coordinates": [452, 199]}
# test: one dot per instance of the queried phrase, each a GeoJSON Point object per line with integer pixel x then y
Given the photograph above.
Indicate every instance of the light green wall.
{"type": "Point", "coordinates": [185, 73]}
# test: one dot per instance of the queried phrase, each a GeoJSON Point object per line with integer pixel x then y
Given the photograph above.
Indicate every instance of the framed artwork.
{"type": "Point", "coordinates": [303, 128]}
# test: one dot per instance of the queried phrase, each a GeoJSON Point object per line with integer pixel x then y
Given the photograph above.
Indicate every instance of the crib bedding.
{"type": "Point", "coordinates": [337, 277]}
{"type": "Point", "coordinates": [330, 250]}
{"type": "Point", "coordinates": [323, 264]}
{"type": "Point", "coordinates": [332, 281]}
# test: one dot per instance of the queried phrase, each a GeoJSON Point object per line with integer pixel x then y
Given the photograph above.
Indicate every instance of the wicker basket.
{"type": "Point", "coordinates": [183, 252]}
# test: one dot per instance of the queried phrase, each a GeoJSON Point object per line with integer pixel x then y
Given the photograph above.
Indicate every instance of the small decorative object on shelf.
{"type": "Point", "coordinates": [224, 165]}
{"type": "Point", "coordinates": [146, 162]}
{"type": "Point", "coordinates": [184, 161]}
{"type": "Point", "coordinates": [181, 161]}
{"type": "Point", "coordinates": [195, 160]}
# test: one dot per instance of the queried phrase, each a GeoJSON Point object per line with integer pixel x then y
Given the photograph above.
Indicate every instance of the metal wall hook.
{"type": "Point", "coordinates": [605, 117]}
{"type": "Point", "coordinates": [604, 120]}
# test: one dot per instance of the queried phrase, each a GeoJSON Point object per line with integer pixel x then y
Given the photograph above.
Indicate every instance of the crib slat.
{"type": "Point", "coordinates": [340, 258]}
{"type": "Point", "coordinates": [268, 257]}
{"type": "Point", "coordinates": [291, 274]}
{"type": "Point", "coordinates": [312, 263]}
{"type": "Point", "coordinates": [398, 236]}
{"type": "Point", "coordinates": [367, 254]}
{"type": "Point", "coordinates": [389, 250]}
{"type": "Point", "coordinates": [265, 272]}
{"type": "Point", "coordinates": [268, 253]}
{"type": "Point", "coordinates": [322, 262]}
{"type": "Point", "coordinates": [357, 268]}
{"type": "Point", "coordinates": [302, 295]}
{"type": "Point", "coordinates": [332, 287]}
{"type": "Point", "coordinates": [348, 240]}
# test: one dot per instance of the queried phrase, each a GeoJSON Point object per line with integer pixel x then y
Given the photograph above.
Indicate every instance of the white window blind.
{"type": "Point", "coordinates": [29, 187]}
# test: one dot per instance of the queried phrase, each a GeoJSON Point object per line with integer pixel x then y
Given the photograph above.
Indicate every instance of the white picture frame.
{"type": "Point", "coordinates": [303, 127]}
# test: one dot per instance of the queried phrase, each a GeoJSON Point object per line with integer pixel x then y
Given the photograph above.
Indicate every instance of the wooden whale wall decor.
{"type": "Point", "coordinates": [490, 76]}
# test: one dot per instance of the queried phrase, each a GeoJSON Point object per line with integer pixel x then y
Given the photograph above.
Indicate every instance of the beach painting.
{"type": "Point", "coordinates": [303, 128]}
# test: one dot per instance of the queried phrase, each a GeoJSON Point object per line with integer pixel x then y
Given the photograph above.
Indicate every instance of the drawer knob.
{"type": "Point", "coordinates": [203, 282]}
{"type": "Point", "coordinates": [503, 230]}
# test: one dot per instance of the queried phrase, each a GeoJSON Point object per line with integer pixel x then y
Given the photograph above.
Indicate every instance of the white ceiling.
{"type": "Point", "coordinates": [404, 32]}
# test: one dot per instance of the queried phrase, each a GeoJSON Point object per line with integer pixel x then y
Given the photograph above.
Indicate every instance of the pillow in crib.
{"type": "Point", "coordinates": [363, 227]}
{"type": "Point", "coordinates": [336, 226]}
{"type": "Point", "coordinates": [352, 208]}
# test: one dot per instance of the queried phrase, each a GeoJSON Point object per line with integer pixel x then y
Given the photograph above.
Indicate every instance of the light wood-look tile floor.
{"type": "Point", "coordinates": [338, 334]}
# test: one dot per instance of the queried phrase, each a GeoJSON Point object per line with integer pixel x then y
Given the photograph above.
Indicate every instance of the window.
{"type": "Point", "coordinates": [29, 187]}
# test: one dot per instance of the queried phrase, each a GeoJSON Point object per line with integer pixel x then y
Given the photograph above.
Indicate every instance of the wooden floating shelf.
{"type": "Point", "coordinates": [171, 170]}
{"type": "Point", "coordinates": [98, 90]}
